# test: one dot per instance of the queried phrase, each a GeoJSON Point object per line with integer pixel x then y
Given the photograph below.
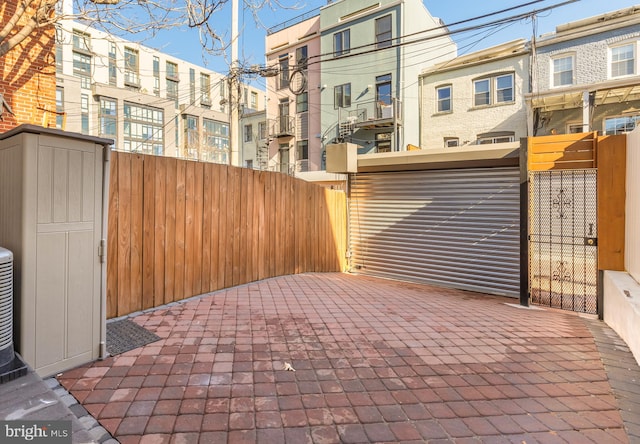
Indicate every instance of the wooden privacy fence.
{"type": "Point", "coordinates": [181, 228]}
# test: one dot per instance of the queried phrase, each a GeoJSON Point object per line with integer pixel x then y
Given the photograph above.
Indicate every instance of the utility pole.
{"type": "Point", "coordinates": [234, 88]}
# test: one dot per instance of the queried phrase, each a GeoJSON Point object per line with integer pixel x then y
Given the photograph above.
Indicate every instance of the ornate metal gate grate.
{"type": "Point", "coordinates": [563, 239]}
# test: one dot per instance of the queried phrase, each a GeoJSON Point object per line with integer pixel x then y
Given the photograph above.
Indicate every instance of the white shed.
{"type": "Point", "coordinates": [53, 205]}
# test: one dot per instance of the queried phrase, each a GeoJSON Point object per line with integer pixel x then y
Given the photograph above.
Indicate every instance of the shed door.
{"type": "Point", "coordinates": [457, 228]}
{"type": "Point", "coordinates": [63, 329]}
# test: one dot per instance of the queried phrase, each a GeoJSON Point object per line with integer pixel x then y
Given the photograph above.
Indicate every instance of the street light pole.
{"type": "Point", "coordinates": [234, 88]}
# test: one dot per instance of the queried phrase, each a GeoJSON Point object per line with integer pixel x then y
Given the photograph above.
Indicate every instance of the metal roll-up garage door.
{"type": "Point", "coordinates": [457, 227]}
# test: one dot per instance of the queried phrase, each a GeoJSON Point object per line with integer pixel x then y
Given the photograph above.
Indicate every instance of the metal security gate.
{"type": "Point", "coordinates": [456, 227]}
{"type": "Point", "coordinates": [563, 239]}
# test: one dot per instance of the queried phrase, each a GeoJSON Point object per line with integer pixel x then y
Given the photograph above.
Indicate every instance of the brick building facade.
{"type": "Point", "coordinates": [27, 74]}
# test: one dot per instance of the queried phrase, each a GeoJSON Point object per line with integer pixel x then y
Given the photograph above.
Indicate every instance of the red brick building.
{"type": "Point", "coordinates": [27, 72]}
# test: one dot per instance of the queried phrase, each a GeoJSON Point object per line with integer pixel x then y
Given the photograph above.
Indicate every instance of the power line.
{"type": "Point", "coordinates": [331, 56]}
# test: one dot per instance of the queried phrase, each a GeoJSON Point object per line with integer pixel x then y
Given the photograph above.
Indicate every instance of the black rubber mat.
{"type": "Point", "coordinates": [125, 335]}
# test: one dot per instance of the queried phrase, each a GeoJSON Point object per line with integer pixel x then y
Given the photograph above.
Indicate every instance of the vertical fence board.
{"type": "Point", "coordinates": [160, 229]}
{"type": "Point", "coordinates": [243, 225]}
{"type": "Point", "coordinates": [148, 239]}
{"type": "Point", "coordinates": [270, 219]}
{"type": "Point", "coordinates": [223, 227]}
{"type": "Point", "coordinates": [112, 240]}
{"type": "Point", "coordinates": [179, 228]}
{"type": "Point", "coordinates": [206, 227]}
{"type": "Point", "coordinates": [197, 225]}
{"type": "Point", "coordinates": [249, 223]}
{"type": "Point", "coordinates": [189, 228]}
{"type": "Point", "coordinates": [289, 234]}
{"type": "Point", "coordinates": [255, 224]}
{"type": "Point", "coordinates": [180, 210]}
{"type": "Point", "coordinates": [124, 234]}
{"type": "Point", "coordinates": [216, 204]}
{"type": "Point", "coordinates": [170, 237]}
{"type": "Point", "coordinates": [262, 224]}
{"type": "Point", "coordinates": [612, 165]}
{"type": "Point", "coordinates": [136, 232]}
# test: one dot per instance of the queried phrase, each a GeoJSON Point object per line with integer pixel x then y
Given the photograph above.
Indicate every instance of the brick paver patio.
{"type": "Point", "coordinates": [375, 361]}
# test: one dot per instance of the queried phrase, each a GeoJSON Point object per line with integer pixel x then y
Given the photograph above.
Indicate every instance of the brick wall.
{"type": "Point", "coordinates": [27, 74]}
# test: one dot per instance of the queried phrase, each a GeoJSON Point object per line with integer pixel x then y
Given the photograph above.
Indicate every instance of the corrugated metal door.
{"type": "Point", "coordinates": [457, 228]}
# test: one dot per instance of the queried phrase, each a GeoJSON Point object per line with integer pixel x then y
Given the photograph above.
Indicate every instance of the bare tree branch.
{"type": "Point", "coordinates": [43, 14]}
{"type": "Point", "coordinates": [142, 19]}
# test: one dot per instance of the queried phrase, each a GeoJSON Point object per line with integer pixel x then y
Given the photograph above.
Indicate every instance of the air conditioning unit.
{"type": "Point", "coordinates": [11, 365]}
{"type": "Point", "coordinates": [6, 307]}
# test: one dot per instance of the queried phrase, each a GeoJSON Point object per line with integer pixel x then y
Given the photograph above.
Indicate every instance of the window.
{"type": "Point", "coordinates": [303, 150]}
{"type": "Point", "coordinates": [84, 113]}
{"type": "Point", "coordinates": [302, 155]}
{"type": "Point", "coordinates": [191, 137]}
{"type": "Point", "coordinates": [113, 67]}
{"type": "Point", "coordinates": [248, 163]}
{"type": "Point", "coordinates": [283, 62]}
{"type": "Point", "coordinates": [156, 75]}
{"type": "Point", "coordinates": [172, 81]}
{"type": "Point", "coordinates": [342, 96]}
{"type": "Point", "coordinates": [262, 130]}
{"type": "Point", "coordinates": [481, 92]}
{"type": "Point", "coordinates": [573, 128]}
{"type": "Point", "coordinates": [450, 142]}
{"type": "Point", "coordinates": [245, 97]}
{"type": "Point", "coordinates": [620, 125]}
{"type": "Point", "coordinates": [341, 43]}
{"type": "Point", "coordinates": [59, 58]}
{"type": "Point", "coordinates": [131, 68]}
{"type": "Point", "coordinates": [172, 71]}
{"type": "Point", "coordinates": [502, 137]}
{"type": "Point", "coordinates": [283, 114]}
{"type": "Point", "coordinates": [248, 133]}
{"type": "Point", "coordinates": [302, 104]}
{"type": "Point", "coordinates": [504, 88]}
{"type": "Point", "coordinates": [301, 57]}
{"type": "Point", "coordinates": [81, 41]}
{"type": "Point", "coordinates": [216, 141]}
{"type": "Point", "coordinates": [303, 126]}
{"type": "Point", "coordinates": [205, 89]}
{"type": "Point", "coordinates": [108, 117]}
{"type": "Point", "coordinates": [443, 94]}
{"type": "Point", "coordinates": [82, 69]}
{"type": "Point", "coordinates": [383, 142]}
{"type": "Point", "coordinates": [254, 100]}
{"type": "Point", "coordinates": [284, 158]}
{"type": "Point", "coordinates": [143, 129]}
{"type": "Point", "coordinates": [223, 95]}
{"type": "Point", "coordinates": [562, 71]}
{"type": "Point", "coordinates": [192, 86]}
{"type": "Point", "coordinates": [60, 108]}
{"type": "Point", "coordinates": [493, 90]}
{"type": "Point", "coordinates": [384, 99]}
{"type": "Point", "coordinates": [623, 60]}
{"type": "Point", "coordinates": [383, 32]}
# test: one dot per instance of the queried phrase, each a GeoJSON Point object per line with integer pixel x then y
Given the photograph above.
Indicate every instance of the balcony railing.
{"type": "Point", "coordinates": [283, 126]}
{"type": "Point", "coordinates": [375, 114]}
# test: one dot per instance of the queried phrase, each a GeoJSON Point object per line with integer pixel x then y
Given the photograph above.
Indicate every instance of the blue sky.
{"type": "Point", "coordinates": [181, 43]}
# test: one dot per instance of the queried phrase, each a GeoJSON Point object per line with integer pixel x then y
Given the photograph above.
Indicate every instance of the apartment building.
{"type": "Point", "coordinates": [147, 101]}
{"type": "Point", "coordinates": [294, 100]}
{"type": "Point", "coordinates": [254, 140]}
{"type": "Point", "coordinates": [372, 54]}
{"type": "Point", "coordinates": [587, 76]}
{"type": "Point", "coordinates": [475, 99]}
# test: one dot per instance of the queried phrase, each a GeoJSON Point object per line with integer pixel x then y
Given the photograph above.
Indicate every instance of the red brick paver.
{"type": "Point", "coordinates": [375, 360]}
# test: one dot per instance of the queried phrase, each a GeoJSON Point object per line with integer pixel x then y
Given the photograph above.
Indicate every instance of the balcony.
{"type": "Point", "coordinates": [282, 127]}
{"type": "Point", "coordinates": [372, 115]}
